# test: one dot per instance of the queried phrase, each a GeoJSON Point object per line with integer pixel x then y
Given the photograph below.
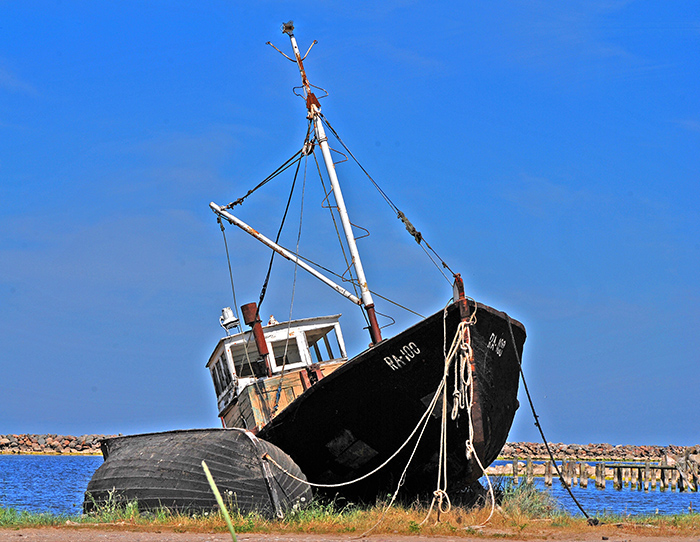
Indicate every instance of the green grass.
{"type": "Point", "coordinates": [9, 517]}
{"type": "Point", "coordinates": [522, 510]}
{"type": "Point", "coordinates": [526, 500]}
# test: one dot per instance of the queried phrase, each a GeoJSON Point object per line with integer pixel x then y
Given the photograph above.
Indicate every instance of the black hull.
{"type": "Point", "coordinates": [164, 470]}
{"type": "Point", "coordinates": [354, 419]}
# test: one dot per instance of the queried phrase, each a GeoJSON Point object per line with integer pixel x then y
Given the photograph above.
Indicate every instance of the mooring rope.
{"type": "Point", "coordinates": [463, 397]}
{"type": "Point", "coordinates": [440, 495]}
{"type": "Point", "coordinates": [591, 521]}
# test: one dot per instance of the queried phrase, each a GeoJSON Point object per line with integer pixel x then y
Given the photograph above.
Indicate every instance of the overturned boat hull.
{"type": "Point", "coordinates": [353, 420]}
{"type": "Point", "coordinates": [164, 471]}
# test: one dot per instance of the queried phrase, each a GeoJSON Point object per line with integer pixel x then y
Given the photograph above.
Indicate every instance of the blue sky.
{"type": "Point", "coordinates": [549, 151]}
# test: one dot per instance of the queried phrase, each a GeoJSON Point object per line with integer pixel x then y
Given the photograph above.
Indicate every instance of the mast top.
{"type": "Point", "coordinates": [312, 103]}
{"type": "Point", "coordinates": [288, 28]}
{"type": "Point", "coordinates": [314, 114]}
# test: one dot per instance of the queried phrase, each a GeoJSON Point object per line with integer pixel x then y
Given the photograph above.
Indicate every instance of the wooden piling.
{"type": "Point", "coordinates": [583, 475]}
{"type": "Point", "coordinates": [600, 479]}
{"type": "Point", "coordinates": [596, 475]}
{"type": "Point", "coordinates": [548, 473]}
{"type": "Point", "coordinates": [617, 478]}
{"type": "Point", "coordinates": [647, 475]}
{"type": "Point", "coordinates": [529, 472]}
{"type": "Point", "coordinates": [515, 471]}
{"type": "Point", "coordinates": [663, 478]}
{"type": "Point", "coordinates": [633, 477]}
{"type": "Point", "coordinates": [566, 474]}
{"type": "Point", "coordinates": [674, 478]}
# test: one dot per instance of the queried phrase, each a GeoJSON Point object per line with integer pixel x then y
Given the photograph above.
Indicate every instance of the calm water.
{"type": "Point", "coordinates": [46, 483]}
{"type": "Point", "coordinates": [623, 501]}
{"type": "Point", "coordinates": [56, 484]}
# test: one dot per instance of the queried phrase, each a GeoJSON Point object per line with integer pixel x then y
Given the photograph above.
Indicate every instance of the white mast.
{"type": "Point", "coordinates": [314, 108]}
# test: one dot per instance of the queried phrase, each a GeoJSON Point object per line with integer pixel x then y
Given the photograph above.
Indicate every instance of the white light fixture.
{"type": "Point", "coordinates": [228, 320]}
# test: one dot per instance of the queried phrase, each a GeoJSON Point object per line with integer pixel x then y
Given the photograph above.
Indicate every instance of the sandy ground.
{"type": "Point", "coordinates": [110, 534]}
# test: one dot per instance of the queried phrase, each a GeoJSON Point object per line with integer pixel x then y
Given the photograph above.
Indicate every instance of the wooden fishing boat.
{"type": "Point", "coordinates": [427, 409]}
{"type": "Point", "coordinates": [164, 470]}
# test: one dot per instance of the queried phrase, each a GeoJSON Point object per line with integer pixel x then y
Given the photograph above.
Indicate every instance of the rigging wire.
{"type": "Point", "coordinates": [235, 304]}
{"type": "Point", "coordinates": [263, 290]}
{"type": "Point", "coordinates": [289, 163]}
{"type": "Point", "coordinates": [291, 303]}
{"type": "Point", "coordinates": [400, 215]}
{"type": "Point", "coordinates": [230, 272]}
{"type": "Point", "coordinates": [591, 521]}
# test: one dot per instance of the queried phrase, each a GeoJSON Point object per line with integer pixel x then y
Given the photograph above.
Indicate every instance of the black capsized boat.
{"type": "Point", "coordinates": [164, 471]}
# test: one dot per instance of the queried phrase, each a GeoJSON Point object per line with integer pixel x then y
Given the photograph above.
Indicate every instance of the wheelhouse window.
{"type": "Point", "coordinates": [246, 360]}
{"type": "Point", "coordinates": [289, 349]}
{"type": "Point", "coordinates": [324, 344]}
{"type": "Point", "coordinates": [221, 374]}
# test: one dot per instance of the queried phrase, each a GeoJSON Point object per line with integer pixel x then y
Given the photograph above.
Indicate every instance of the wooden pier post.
{"type": "Point", "coordinates": [674, 478]}
{"type": "Point", "coordinates": [548, 473]}
{"type": "Point", "coordinates": [515, 471]}
{"type": "Point", "coordinates": [617, 478]}
{"type": "Point", "coordinates": [566, 474]}
{"type": "Point", "coordinates": [663, 478]}
{"type": "Point", "coordinates": [683, 477]}
{"type": "Point", "coordinates": [640, 479]}
{"type": "Point", "coordinates": [647, 475]}
{"type": "Point", "coordinates": [529, 474]}
{"type": "Point", "coordinates": [571, 473]}
{"type": "Point", "coordinates": [601, 483]}
{"type": "Point", "coordinates": [596, 475]}
{"type": "Point", "coordinates": [583, 475]}
{"type": "Point", "coordinates": [653, 478]}
{"type": "Point", "coordinates": [633, 477]}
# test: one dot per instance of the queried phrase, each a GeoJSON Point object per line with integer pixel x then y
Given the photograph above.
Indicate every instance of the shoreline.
{"type": "Point", "coordinates": [55, 444]}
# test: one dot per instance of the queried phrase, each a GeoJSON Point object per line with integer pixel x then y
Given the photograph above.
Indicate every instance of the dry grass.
{"type": "Point", "coordinates": [524, 512]}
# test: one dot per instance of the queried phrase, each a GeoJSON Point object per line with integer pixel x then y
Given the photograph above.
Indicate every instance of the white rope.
{"type": "Point", "coordinates": [463, 396]}
{"type": "Point", "coordinates": [440, 495]}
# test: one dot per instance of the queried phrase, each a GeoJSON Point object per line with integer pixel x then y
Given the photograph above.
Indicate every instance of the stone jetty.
{"type": "Point", "coordinates": [51, 444]}
{"type": "Point", "coordinates": [90, 444]}
{"type": "Point", "coordinates": [592, 452]}
{"type": "Point", "coordinates": [576, 460]}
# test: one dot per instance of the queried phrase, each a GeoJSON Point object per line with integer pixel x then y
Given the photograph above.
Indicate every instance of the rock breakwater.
{"type": "Point", "coordinates": [622, 452]}
{"type": "Point", "coordinates": [51, 444]}
{"type": "Point", "coordinates": [90, 444]}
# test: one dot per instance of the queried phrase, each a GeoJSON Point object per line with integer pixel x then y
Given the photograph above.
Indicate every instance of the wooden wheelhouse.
{"type": "Point", "coordinates": [255, 380]}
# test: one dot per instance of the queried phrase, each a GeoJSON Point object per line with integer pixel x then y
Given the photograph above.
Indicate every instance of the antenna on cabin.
{"type": "Point", "coordinates": [227, 320]}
